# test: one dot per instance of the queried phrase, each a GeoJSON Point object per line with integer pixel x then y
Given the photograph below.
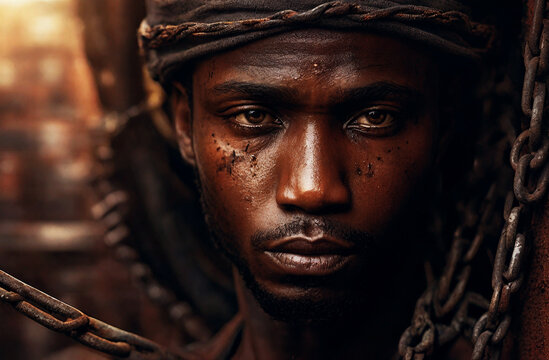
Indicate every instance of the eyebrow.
{"type": "Point", "coordinates": [382, 90]}
{"type": "Point", "coordinates": [257, 91]}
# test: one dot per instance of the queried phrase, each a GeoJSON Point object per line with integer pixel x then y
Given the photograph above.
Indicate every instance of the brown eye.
{"type": "Point", "coordinates": [376, 118]}
{"type": "Point", "coordinates": [254, 117]}
{"type": "Point", "coordinates": [375, 121]}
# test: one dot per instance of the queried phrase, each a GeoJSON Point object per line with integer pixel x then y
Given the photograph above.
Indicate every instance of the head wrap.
{"type": "Point", "coordinates": [178, 31]}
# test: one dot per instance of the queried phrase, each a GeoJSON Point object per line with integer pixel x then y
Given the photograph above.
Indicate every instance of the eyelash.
{"type": "Point", "coordinates": [251, 129]}
{"type": "Point", "coordinates": [386, 110]}
{"type": "Point", "coordinates": [395, 122]}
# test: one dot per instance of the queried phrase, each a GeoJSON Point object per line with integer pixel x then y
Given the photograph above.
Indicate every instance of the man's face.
{"type": "Point", "coordinates": [310, 149]}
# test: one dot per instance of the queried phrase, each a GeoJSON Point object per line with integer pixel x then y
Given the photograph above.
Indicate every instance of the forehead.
{"type": "Point", "coordinates": [324, 56]}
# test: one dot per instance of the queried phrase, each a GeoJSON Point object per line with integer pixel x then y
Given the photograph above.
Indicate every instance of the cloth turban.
{"type": "Point", "coordinates": [176, 32]}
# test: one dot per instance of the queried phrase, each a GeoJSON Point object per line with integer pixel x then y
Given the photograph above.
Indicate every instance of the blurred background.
{"type": "Point", "coordinates": [94, 199]}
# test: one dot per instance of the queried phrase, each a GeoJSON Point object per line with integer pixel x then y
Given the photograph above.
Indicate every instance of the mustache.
{"type": "Point", "coordinates": [305, 226]}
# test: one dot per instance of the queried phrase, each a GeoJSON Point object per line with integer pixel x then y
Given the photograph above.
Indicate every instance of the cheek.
{"type": "Point", "coordinates": [390, 172]}
{"type": "Point", "coordinates": [236, 180]}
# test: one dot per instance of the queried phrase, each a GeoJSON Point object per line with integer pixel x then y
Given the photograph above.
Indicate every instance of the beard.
{"type": "Point", "coordinates": [346, 292]}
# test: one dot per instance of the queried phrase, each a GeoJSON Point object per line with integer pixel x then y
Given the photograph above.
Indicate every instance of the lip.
{"type": "Point", "coordinates": [319, 256]}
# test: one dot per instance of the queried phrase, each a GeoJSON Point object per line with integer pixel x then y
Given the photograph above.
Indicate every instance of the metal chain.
{"type": "Point", "coordinates": [60, 317]}
{"type": "Point", "coordinates": [445, 308]}
{"type": "Point", "coordinates": [63, 318]}
{"type": "Point", "coordinates": [529, 161]}
{"type": "Point", "coordinates": [158, 36]}
{"type": "Point", "coordinates": [440, 299]}
{"type": "Point", "coordinates": [112, 211]}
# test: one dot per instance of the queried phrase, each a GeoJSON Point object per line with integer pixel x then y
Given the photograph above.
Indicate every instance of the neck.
{"type": "Point", "coordinates": [372, 331]}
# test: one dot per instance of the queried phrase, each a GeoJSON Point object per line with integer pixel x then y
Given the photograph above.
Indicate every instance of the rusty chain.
{"type": "Point", "coordinates": [440, 300]}
{"type": "Point", "coordinates": [528, 158]}
{"type": "Point", "coordinates": [112, 212]}
{"type": "Point", "coordinates": [159, 36]}
{"type": "Point", "coordinates": [60, 317]}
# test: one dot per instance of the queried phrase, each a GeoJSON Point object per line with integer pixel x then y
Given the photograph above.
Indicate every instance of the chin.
{"type": "Point", "coordinates": [305, 305]}
{"type": "Point", "coordinates": [304, 299]}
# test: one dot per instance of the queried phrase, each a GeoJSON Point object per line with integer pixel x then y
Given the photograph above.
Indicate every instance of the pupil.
{"type": "Point", "coordinates": [376, 116]}
{"type": "Point", "coordinates": [254, 114]}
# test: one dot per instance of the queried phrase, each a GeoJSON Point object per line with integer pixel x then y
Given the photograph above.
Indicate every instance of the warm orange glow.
{"type": "Point", "coordinates": [41, 50]}
{"type": "Point", "coordinates": [27, 2]}
{"type": "Point", "coordinates": [47, 102]}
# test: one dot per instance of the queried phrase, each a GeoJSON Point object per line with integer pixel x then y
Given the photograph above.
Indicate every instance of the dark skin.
{"type": "Point", "coordinates": [311, 150]}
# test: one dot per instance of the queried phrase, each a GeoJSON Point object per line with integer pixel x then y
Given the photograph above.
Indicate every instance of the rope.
{"type": "Point", "coordinates": [471, 33]}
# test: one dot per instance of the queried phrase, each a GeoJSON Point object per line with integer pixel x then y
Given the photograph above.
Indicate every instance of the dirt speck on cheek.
{"type": "Point", "coordinates": [370, 172]}
{"type": "Point", "coordinates": [222, 164]}
{"type": "Point", "coordinates": [253, 165]}
{"type": "Point", "coordinates": [228, 161]}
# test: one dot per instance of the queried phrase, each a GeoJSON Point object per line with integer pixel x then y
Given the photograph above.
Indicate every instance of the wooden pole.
{"type": "Point", "coordinates": [110, 38]}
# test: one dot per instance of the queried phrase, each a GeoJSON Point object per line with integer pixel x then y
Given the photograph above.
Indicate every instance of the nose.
{"type": "Point", "coordinates": [312, 178]}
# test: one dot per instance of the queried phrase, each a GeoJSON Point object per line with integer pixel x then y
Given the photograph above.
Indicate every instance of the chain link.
{"type": "Point", "coordinates": [440, 300]}
{"type": "Point", "coordinates": [528, 158]}
{"type": "Point", "coordinates": [529, 161]}
{"type": "Point", "coordinates": [113, 211]}
{"type": "Point", "coordinates": [160, 36]}
{"type": "Point", "coordinates": [60, 317]}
